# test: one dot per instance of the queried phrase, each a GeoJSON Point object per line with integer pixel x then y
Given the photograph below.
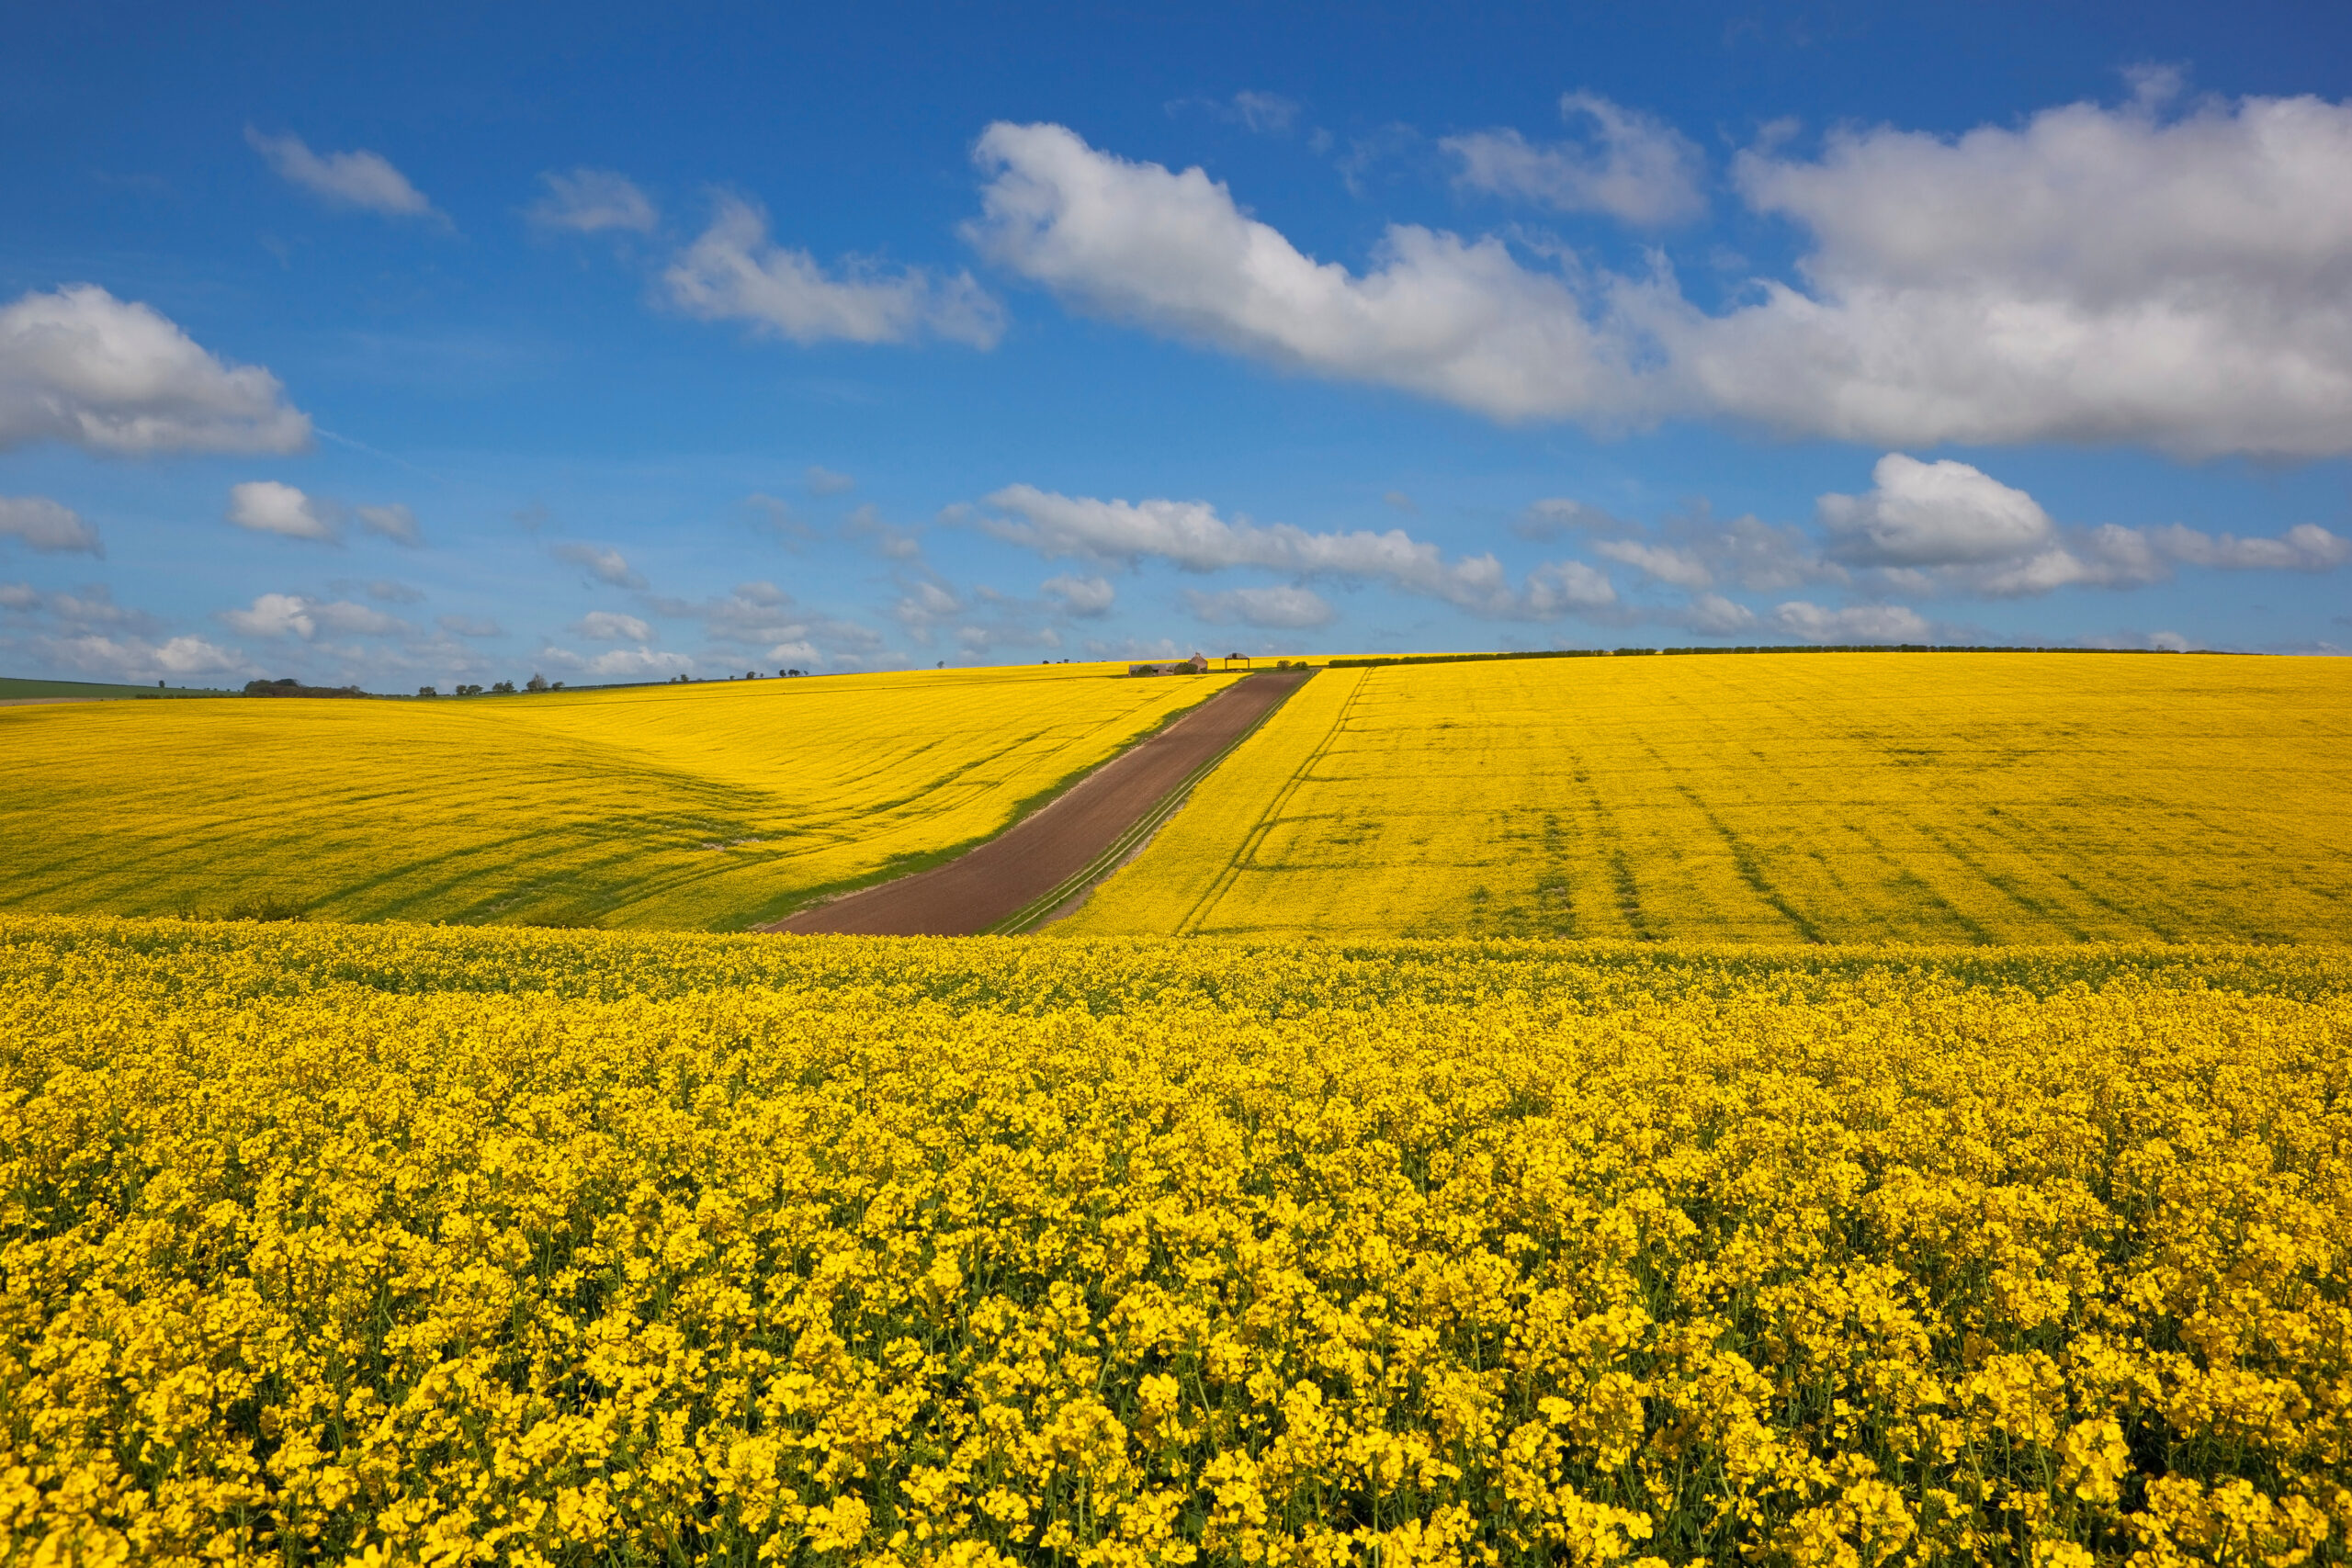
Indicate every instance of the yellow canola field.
{"type": "Point", "coordinates": [1840, 797]}
{"type": "Point", "coordinates": [396, 1243]}
{"type": "Point", "coordinates": [711, 805]}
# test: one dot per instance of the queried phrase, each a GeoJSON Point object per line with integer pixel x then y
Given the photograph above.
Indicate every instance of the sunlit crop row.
{"type": "Point", "coordinates": [2007, 797]}
{"type": "Point", "coordinates": [694, 807]}
{"type": "Point", "coordinates": [402, 1243]}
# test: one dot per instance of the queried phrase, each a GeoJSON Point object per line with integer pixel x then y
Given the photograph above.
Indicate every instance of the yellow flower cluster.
{"type": "Point", "coordinates": [710, 807]}
{"type": "Point", "coordinates": [1841, 797]}
{"type": "Point", "coordinates": [403, 1243]}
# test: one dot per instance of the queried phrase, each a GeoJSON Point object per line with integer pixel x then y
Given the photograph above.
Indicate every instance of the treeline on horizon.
{"type": "Point", "coordinates": [289, 687]}
{"type": "Point", "coordinates": [1368, 662]}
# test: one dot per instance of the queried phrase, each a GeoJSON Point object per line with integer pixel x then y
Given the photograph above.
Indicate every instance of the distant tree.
{"type": "Point", "coordinates": [427, 692]}
{"type": "Point", "coordinates": [537, 682]}
{"type": "Point", "coordinates": [286, 686]}
{"type": "Point", "coordinates": [502, 688]}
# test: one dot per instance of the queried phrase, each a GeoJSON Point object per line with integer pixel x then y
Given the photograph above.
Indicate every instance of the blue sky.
{"type": "Point", "coordinates": [421, 345]}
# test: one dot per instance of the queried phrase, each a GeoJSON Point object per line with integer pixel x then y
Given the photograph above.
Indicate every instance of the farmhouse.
{"type": "Point", "coordinates": [1196, 665]}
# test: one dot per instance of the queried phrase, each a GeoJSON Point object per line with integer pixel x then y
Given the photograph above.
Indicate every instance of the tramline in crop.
{"type": "Point", "coordinates": [1953, 797]}
{"type": "Point", "coordinates": [694, 807]}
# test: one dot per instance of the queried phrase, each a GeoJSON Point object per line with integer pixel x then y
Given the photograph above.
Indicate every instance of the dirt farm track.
{"type": "Point", "coordinates": [1049, 847]}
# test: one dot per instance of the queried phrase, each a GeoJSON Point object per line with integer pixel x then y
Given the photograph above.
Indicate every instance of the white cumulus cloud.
{"type": "Point", "coordinates": [1949, 527]}
{"type": "Point", "coordinates": [1567, 587]}
{"type": "Point", "coordinates": [1939, 514]}
{"type": "Point", "coordinates": [361, 179]}
{"type": "Point", "coordinates": [117, 379]}
{"type": "Point", "coordinates": [734, 272]}
{"type": "Point", "coordinates": [136, 658]}
{"type": "Point", "coordinates": [274, 616]}
{"type": "Point", "coordinates": [193, 656]}
{"type": "Point", "coordinates": [588, 201]}
{"type": "Point", "coordinates": [40, 523]}
{"type": "Point", "coordinates": [266, 506]}
{"type": "Point", "coordinates": [2095, 274]}
{"type": "Point", "coordinates": [1635, 167]}
{"type": "Point", "coordinates": [1460, 322]}
{"type": "Point", "coordinates": [292, 615]}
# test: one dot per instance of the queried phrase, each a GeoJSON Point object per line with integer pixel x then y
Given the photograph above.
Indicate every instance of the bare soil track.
{"type": "Point", "coordinates": [1044, 850]}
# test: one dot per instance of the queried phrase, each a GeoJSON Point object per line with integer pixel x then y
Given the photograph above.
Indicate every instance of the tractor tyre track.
{"type": "Point", "coordinates": [982, 890]}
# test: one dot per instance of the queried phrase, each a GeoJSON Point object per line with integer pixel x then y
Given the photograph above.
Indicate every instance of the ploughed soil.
{"type": "Point", "coordinates": [1046, 848]}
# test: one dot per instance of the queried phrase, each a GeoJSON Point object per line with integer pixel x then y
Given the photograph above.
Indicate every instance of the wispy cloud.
{"type": "Point", "coordinates": [1635, 167]}
{"type": "Point", "coordinates": [40, 523]}
{"type": "Point", "coordinates": [1266, 114]}
{"type": "Point", "coordinates": [607, 625]}
{"type": "Point", "coordinates": [1191, 535]}
{"type": "Point", "coordinates": [395, 523]}
{"type": "Point", "coordinates": [867, 526]}
{"type": "Point", "coordinates": [117, 380]}
{"type": "Point", "coordinates": [468, 626]}
{"type": "Point", "coordinates": [361, 179]}
{"type": "Point", "coordinates": [1287, 608]}
{"type": "Point", "coordinates": [759, 620]}
{"type": "Point", "coordinates": [1087, 596]}
{"type": "Point", "coordinates": [601, 562]}
{"type": "Point", "coordinates": [618, 664]}
{"type": "Point", "coordinates": [590, 201]}
{"type": "Point", "coordinates": [1934, 530]}
{"type": "Point", "coordinates": [734, 272]}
